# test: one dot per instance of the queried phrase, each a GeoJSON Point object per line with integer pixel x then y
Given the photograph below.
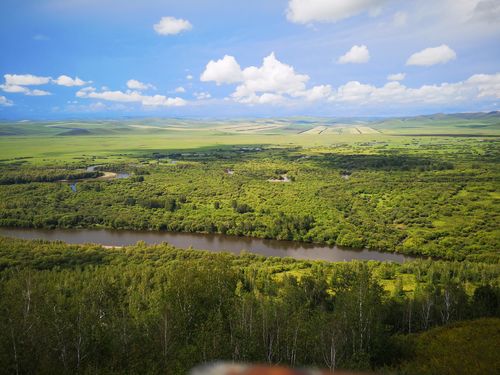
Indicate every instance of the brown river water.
{"type": "Point", "coordinates": [210, 242]}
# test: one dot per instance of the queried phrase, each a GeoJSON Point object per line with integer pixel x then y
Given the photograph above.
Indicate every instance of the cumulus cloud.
{"type": "Point", "coordinates": [189, 76]}
{"type": "Point", "coordinates": [25, 79]}
{"type": "Point", "coordinates": [13, 88]}
{"type": "Point", "coordinates": [277, 83]}
{"type": "Point", "coordinates": [487, 85]}
{"type": "Point", "coordinates": [64, 80]}
{"type": "Point", "coordinates": [16, 89]}
{"type": "Point", "coordinates": [5, 102]}
{"type": "Point", "coordinates": [162, 101]}
{"type": "Point", "coordinates": [306, 11]}
{"type": "Point", "coordinates": [172, 26]}
{"type": "Point", "coordinates": [266, 98]}
{"type": "Point", "coordinates": [271, 79]}
{"type": "Point", "coordinates": [432, 56]}
{"type": "Point", "coordinates": [180, 89]}
{"type": "Point", "coordinates": [225, 70]}
{"type": "Point", "coordinates": [271, 83]}
{"type": "Point", "coordinates": [16, 83]}
{"type": "Point", "coordinates": [474, 88]}
{"type": "Point", "coordinates": [396, 77]}
{"type": "Point", "coordinates": [138, 85]}
{"type": "Point", "coordinates": [37, 92]}
{"type": "Point", "coordinates": [316, 93]}
{"type": "Point", "coordinates": [356, 55]}
{"type": "Point", "coordinates": [272, 76]}
{"type": "Point", "coordinates": [131, 97]}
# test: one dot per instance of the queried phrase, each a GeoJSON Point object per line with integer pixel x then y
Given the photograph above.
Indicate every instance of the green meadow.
{"type": "Point", "coordinates": [67, 140]}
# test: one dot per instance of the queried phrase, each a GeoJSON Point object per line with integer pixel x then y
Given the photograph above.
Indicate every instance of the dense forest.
{"type": "Point", "coordinates": [14, 175]}
{"type": "Point", "coordinates": [157, 309]}
{"type": "Point", "coordinates": [435, 197]}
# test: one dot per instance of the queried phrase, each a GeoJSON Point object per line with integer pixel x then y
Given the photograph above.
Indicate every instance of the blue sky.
{"type": "Point", "coordinates": [222, 58]}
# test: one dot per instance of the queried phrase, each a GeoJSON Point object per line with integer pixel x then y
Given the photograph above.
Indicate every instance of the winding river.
{"type": "Point", "coordinates": [211, 242]}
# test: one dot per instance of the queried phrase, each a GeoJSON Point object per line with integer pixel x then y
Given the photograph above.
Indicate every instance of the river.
{"type": "Point", "coordinates": [210, 242]}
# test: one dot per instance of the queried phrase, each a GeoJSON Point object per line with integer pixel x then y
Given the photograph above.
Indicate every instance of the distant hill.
{"type": "Point", "coordinates": [481, 123]}
{"type": "Point", "coordinates": [458, 124]}
{"type": "Point", "coordinates": [75, 131]}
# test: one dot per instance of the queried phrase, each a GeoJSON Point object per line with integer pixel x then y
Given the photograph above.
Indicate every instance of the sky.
{"type": "Point", "coordinates": [262, 58]}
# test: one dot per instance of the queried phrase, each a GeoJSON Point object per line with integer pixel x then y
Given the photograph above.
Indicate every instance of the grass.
{"type": "Point", "coordinates": [469, 347]}
{"type": "Point", "coordinates": [68, 148]}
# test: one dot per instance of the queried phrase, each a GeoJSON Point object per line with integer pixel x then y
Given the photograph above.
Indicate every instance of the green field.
{"type": "Point", "coordinates": [67, 140]}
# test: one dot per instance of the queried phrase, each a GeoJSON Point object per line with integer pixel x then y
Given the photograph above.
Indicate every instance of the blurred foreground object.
{"type": "Point", "coordinates": [242, 369]}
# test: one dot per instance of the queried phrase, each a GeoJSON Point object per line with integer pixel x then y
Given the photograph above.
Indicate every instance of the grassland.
{"type": "Point", "coordinates": [66, 140]}
{"type": "Point", "coordinates": [468, 347]}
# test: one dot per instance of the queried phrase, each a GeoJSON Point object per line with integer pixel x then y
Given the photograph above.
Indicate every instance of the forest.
{"type": "Point", "coordinates": [434, 197]}
{"type": "Point", "coordinates": [85, 309]}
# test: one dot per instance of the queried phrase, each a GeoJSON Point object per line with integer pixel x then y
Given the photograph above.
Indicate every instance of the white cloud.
{"type": "Point", "coordinates": [225, 70]}
{"type": "Point", "coordinates": [488, 85]}
{"type": "Point", "coordinates": [272, 77]}
{"type": "Point", "coordinates": [432, 56]}
{"type": "Point", "coordinates": [189, 76]}
{"type": "Point", "coordinates": [37, 92]}
{"type": "Point", "coordinates": [396, 77]}
{"type": "Point", "coordinates": [266, 98]}
{"type": "Point", "coordinates": [180, 89]}
{"type": "Point", "coordinates": [172, 26]}
{"type": "Point", "coordinates": [13, 88]}
{"type": "Point", "coordinates": [138, 85]}
{"type": "Point", "coordinates": [162, 101]}
{"type": "Point", "coordinates": [316, 93]}
{"type": "Point", "coordinates": [356, 55]}
{"type": "Point", "coordinates": [306, 11]}
{"type": "Point", "coordinates": [476, 87]}
{"type": "Point", "coordinates": [131, 97]}
{"type": "Point", "coordinates": [64, 80]}
{"type": "Point", "coordinates": [354, 91]}
{"type": "Point", "coordinates": [23, 90]}
{"type": "Point", "coordinates": [5, 102]}
{"type": "Point", "coordinates": [202, 95]}
{"type": "Point", "coordinates": [25, 79]}
{"type": "Point", "coordinates": [16, 83]}
{"type": "Point", "coordinates": [272, 83]}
